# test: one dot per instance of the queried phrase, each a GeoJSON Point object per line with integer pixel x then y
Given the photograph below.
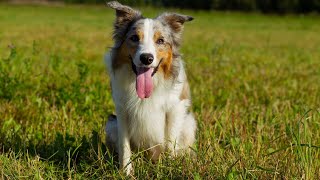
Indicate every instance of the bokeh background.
{"type": "Point", "coordinates": [266, 6]}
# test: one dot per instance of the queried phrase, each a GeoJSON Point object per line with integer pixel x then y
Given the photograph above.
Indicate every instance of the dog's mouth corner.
{"type": "Point", "coordinates": [134, 67]}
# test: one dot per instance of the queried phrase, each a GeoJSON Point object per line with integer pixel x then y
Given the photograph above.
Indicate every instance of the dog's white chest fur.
{"type": "Point", "coordinates": [146, 119]}
{"type": "Point", "coordinates": [147, 122]}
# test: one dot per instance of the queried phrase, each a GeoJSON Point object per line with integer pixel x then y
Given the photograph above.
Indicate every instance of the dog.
{"type": "Point", "coordinates": [149, 86]}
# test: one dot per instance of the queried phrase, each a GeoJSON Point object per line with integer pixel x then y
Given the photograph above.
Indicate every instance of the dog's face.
{"type": "Point", "coordinates": [149, 45]}
{"type": "Point", "coordinates": [149, 42]}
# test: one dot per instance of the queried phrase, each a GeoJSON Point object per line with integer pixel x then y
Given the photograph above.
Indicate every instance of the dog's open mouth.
{"type": "Point", "coordinates": [144, 83]}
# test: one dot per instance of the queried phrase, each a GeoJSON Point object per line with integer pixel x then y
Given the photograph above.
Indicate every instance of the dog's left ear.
{"type": "Point", "coordinates": [174, 20]}
{"type": "Point", "coordinates": [125, 15]}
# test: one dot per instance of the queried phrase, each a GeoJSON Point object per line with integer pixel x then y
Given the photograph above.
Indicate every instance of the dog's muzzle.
{"type": "Point", "coordinates": [134, 67]}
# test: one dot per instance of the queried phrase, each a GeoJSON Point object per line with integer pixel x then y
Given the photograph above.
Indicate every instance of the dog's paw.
{"type": "Point", "coordinates": [128, 170]}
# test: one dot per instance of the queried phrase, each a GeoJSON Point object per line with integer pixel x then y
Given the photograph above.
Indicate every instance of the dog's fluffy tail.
{"type": "Point", "coordinates": [112, 133]}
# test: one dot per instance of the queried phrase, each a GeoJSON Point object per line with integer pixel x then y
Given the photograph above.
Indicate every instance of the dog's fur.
{"type": "Point", "coordinates": [160, 120]}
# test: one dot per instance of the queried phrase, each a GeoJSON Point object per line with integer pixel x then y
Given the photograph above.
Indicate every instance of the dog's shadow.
{"type": "Point", "coordinates": [88, 155]}
{"type": "Point", "coordinates": [66, 149]}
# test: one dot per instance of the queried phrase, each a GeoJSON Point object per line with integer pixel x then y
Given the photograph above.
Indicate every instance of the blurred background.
{"type": "Point", "coordinates": [265, 6]}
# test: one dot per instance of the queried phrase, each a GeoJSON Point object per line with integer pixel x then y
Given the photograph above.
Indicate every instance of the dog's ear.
{"type": "Point", "coordinates": [125, 15]}
{"type": "Point", "coordinates": [174, 20]}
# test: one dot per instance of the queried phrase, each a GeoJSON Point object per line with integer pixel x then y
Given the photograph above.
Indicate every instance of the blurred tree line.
{"type": "Point", "coordinates": [266, 6]}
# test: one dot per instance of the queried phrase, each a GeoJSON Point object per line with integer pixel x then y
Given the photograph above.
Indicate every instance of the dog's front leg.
{"type": "Point", "coordinates": [174, 125]}
{"type": "Point", "coordinates": [124, 146]}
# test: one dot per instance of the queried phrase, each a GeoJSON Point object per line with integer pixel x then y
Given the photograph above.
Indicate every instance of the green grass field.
{"type": "Point", "coordinates": [255, 83]}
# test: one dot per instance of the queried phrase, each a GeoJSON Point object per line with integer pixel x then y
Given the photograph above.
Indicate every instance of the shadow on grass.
{"type": "Point", "coordinates": [65, 151]}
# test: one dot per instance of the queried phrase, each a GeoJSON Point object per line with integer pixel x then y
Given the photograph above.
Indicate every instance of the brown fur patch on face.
{"type": "Point", "coordinates": [185, 93]}
{"type": "Point", "coordinates": [122, 54]}
{"type": "Point", "coordinates": [140, 34]}
{"type": "Point", "coordinates": [164, 53]}
{"type": "Point", "coordinates": [166, 63]}
{"type": "Point", "coordinates": [157, 35]}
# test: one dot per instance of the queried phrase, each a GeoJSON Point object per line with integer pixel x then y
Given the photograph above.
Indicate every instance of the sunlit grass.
{"type": "Point", "coordinates": [255, 82]}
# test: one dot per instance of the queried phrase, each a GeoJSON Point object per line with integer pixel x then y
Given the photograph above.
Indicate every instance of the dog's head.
{"type": "Point", "coordinates": [149, 45]}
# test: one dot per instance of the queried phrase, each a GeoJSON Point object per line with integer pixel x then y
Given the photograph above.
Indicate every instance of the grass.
{"type": "Point", "coordinates": [255, 82]}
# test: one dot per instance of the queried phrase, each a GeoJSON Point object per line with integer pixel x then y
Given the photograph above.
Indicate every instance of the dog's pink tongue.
{"type": "Point", "coordinates": [144, 84]}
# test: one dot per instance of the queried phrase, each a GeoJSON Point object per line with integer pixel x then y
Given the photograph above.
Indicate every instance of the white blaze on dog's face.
{"type": "Point", "coordinates": [148, 45]}
{"type": "Point", "coordinates": [142, 37]}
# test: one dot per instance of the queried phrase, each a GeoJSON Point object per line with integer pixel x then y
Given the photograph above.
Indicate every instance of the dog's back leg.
{"type": "Point", "coordinates": [112, 133]}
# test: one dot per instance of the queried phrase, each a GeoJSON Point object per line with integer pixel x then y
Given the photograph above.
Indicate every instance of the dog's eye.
{"type": "Point", "coordinates": [134, 38]}
{"type": "Point", "coordinates": [160, 41]}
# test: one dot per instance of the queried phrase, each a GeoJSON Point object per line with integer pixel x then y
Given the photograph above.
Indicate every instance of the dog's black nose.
{"type": "Point", "coordinates": [146, 58]}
